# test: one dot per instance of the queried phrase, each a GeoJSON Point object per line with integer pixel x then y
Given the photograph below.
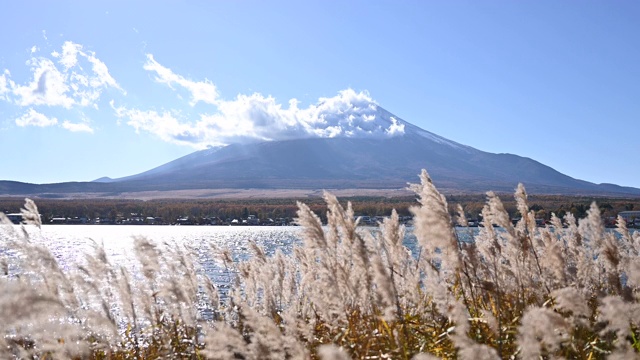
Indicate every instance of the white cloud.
{"type": "Point", "coordinates": [4, 84]}
{"type": "Point", "coordinates": [165, 125]}
{"type": "Point", "coordinates": [34, 118]}
{"type": "Point", "coordinates": [47, 87]}
{"type": "Point", "coordinates": [77, 127]}
{"type": "Point", "coordinates": [395, 128]}
{"type": "Point", "coordinates": [66, 86]}
{"type": "Point", "coordinates": [258, 118]}
{"type": "Point", "coordinates": [69, 56]}
{"type": "Point", "coordinates": [71, 78]}
{"type": "Point", "coordinates": [204, 91]}
{"type": "Point", "coordinates": [102, 77]}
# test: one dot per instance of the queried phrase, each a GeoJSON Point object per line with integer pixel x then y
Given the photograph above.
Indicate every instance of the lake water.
{"type": "Point", "coordinates": [118, 239]}
{"type": "Point", "coordinates": [69, 243]}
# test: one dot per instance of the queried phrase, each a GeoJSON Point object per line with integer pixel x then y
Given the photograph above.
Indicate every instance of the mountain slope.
{"type": "Point", "coordinates": [390, 162]}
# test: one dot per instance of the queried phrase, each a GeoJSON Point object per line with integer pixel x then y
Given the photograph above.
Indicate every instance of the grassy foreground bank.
{"type": "Point", "coordinates": [569, 290]}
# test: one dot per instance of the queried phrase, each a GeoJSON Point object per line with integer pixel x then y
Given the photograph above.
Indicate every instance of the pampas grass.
{"type": "Point", "coordinates": [569, 290]}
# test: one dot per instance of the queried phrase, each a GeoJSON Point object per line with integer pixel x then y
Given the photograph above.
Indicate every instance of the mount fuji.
{"type": "Point", "coordinates": [379, 151]}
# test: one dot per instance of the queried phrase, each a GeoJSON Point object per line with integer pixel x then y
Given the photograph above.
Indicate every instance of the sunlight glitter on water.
{"type": "Point", "coordinates": [69, 243]}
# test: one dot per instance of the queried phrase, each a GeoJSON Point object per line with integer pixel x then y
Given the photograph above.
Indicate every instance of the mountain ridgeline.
{"type": "Point", "coordinates": [339, 163]}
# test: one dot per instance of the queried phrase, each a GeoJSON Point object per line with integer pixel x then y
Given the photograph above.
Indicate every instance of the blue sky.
{"type": "Point", "coordinates": [92, 89]}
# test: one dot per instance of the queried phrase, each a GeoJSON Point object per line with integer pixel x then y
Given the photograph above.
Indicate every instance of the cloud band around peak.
{"type": "Point", "coordinates": [257, 117]}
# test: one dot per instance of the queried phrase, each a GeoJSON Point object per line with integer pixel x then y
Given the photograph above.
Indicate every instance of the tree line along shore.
{"type": "Point", "coordinates": [282, 211]}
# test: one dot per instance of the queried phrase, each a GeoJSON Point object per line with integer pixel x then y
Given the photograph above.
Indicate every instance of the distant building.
{"type": "Point", "coordinates": [253, 220]}
{"type": "Point", "coordinates": [184, 221]}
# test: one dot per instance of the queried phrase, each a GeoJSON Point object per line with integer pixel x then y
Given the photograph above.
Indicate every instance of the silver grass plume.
{"type": "Point", "coordinates": [313, 235]}
{"type": "Point", "coordinates": [384, 288]}
{"type": "Point", "coordinates": [571, 299]}
{"type": "Point", "coordinates": [541, 326]}
{"type": "Point", "coordinates": [30, 214]}
{"type": "Point", "coordinates": [96, 282]}
{"type": "Point", "coordinates": [601, 253]}
{"type": "Point", "coordinates": [433, 226]}
{"type": "Point", "coordinates": [225, 343]}
{"type": "Point", "coordinates": [461, 218]}
{"type": "Point", "coordinates": [332, 352]}
{"type": "Point", "coordinates": [424, 356]}
{"type": "Point", "coordinates": [619, 315]}
{"type": "Point", "coordinates": [149, 257]}
{"type": "Point", "coordinates": [266, 341]}
{"type": "Point", "coordinates": [353, 242]}
{"type": "Point", "coordinates": [335, 265]}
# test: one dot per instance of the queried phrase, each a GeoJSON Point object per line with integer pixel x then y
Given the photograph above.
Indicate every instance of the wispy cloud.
{"type": "Point", "coordinates": [4, 84]}
{"type": "Point", "coordinates": [69, 56]}
{"type": "Point", "coordinates": [69, 78]}
{"type": "Point", "coordinates": [204, 91]}
{"type": "Point", "coordinates": [64, 84]}
{"type": "Point", "coordinates": [34, 118]}
{"type": "Point", "coordinates": [77, 127]}
{"type": "Point", "coordinates": [165, 125]}
{"type": "Point", "coordinates": [257, 117]}
{"type": "Point", "coordinates": [73, 78]}
{"type": "Point", "coordinates": [48, 86]}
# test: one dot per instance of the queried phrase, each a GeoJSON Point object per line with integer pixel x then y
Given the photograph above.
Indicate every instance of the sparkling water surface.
{"type": "Point", "coordinates": [70, 243]}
